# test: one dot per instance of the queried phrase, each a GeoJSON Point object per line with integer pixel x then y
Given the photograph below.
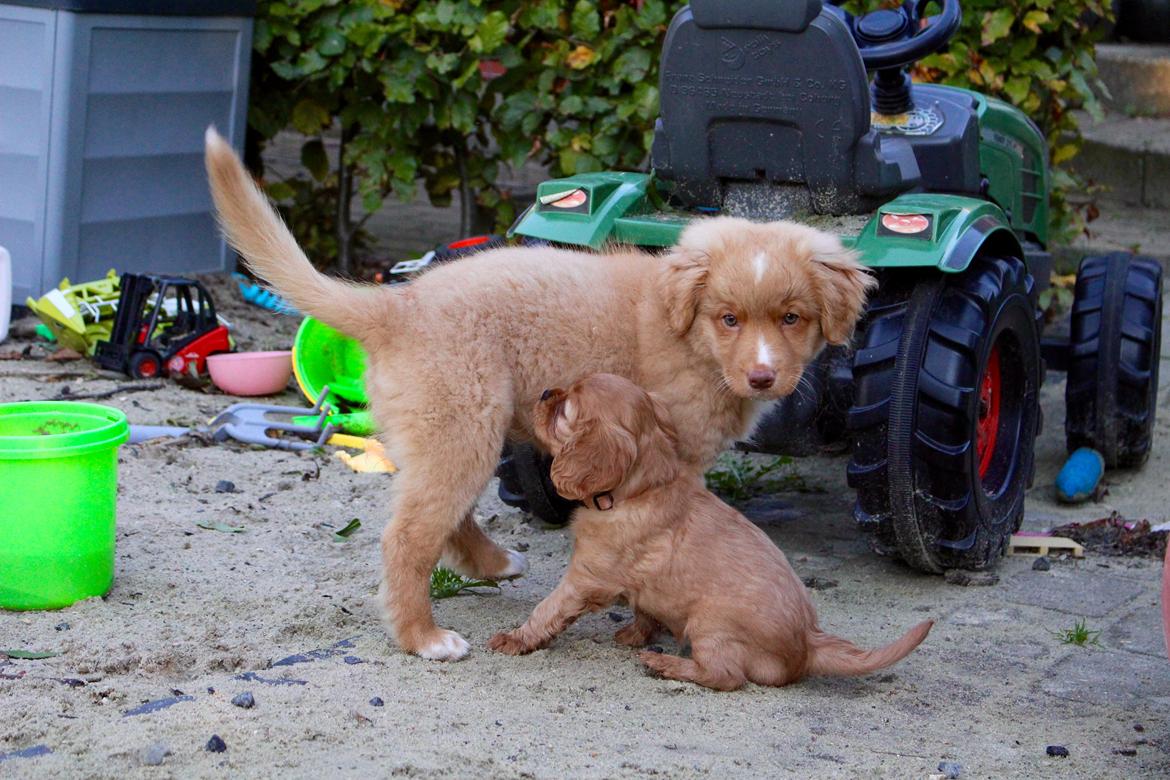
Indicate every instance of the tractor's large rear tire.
{"type": "Point", "coordinates": [1115, 338]}
{"type": "Point", "coordinates": [946, 411]}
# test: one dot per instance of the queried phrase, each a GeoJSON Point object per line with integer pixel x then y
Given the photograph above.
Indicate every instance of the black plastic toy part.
{"type": "Point", "coordinates": [895, 38]}
{"type": "Point", "coordinates": [402, 272]}
{"type": "Point", "coordinates": [946, 407]}
{"type": "Point", "coordinates": [741, 103]}
{"type": "Point", "coordinates": [1114, 349]}
{"type": "Point", "coordinates": [525, 483]}
{"type": "Point", "coordinates": [145, 365]}
{"type": "Point", "coordinates": [890, 39]}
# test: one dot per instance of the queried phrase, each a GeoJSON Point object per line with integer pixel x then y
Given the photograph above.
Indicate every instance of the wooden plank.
{"type": "Point", "coordinates": [1026, 544]}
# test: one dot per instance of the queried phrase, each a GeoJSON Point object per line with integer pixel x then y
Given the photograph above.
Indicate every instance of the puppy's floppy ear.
{"type": "Point", "coordinates": [681, 282]}
{"type": "Point", "coordinates": [658, 450]}
{"type": "Point", "coordinates": [595, 460]}
{"type": "Point", "coordinates": [843, 285]}
{"type": "Point", "coordinates": [685, 269]}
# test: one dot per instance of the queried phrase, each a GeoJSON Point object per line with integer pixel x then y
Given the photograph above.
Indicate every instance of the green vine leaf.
{"type": "Point", "coordinates": [314, 159]}
{"type": "Point", "coordinates": [309, 116]}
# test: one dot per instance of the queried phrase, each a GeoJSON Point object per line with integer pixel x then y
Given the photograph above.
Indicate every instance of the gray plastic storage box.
{"type": "Point", "coordinates": [103, 104]}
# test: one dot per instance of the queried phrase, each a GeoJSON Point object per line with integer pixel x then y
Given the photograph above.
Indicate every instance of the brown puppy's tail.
{"type": "Point", "coordinates": [257, 232]}
{"type": "Point", "coordinates": [836, 657]}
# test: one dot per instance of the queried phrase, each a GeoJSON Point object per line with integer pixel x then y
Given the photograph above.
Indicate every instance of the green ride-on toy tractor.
{"type": "Point", "coordinates": [767, 112]}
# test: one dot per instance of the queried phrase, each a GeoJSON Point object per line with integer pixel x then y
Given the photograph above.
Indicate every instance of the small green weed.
{"type": "Point", "coordinates": [27, 655]}
{"type": "Point", "coordinates": [738, 476]}
{"type": "Point", "coordinates": [345, 533]}
{"type": "Point", "coordinates": [214, 525]}
{"type": "Point", "coordinates": [446, 583]}
{"type": "Point", "coordinates": [1079, 635]}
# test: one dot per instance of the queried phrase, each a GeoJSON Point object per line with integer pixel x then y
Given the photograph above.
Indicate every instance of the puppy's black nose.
{"type": "Point", "coordinates": [544, 396]}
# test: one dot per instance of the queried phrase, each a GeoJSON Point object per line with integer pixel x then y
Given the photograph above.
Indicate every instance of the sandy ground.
{"type": "Point", "coordinates": [286, 613]}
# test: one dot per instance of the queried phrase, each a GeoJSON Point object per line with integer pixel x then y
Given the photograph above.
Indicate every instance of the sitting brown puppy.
{"type": "Point", "coordinates": [650, 533]}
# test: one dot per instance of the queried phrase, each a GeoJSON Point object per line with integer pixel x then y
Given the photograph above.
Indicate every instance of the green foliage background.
{"type": "Point", "coordinates": [445, 92]}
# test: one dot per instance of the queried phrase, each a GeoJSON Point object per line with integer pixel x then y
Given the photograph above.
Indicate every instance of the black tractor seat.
{"type": "Point", "coordinates": [771, 99]}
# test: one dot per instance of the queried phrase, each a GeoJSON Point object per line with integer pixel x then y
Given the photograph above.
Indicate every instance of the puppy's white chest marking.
{"type": "Point", "coordinates": [764, 355]}
{"type": "Point", "coordinates": [760, 262]}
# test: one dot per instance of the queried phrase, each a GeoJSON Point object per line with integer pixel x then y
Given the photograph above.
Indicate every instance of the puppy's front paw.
{"type": "Point", "coordinates": [517, 565]}
{"type": "Point", "coordinates": [443, 645]}
{"type": "Point", "coordinates": [509, 642]}
{"type": "Point", "coordinates": [656, 661]}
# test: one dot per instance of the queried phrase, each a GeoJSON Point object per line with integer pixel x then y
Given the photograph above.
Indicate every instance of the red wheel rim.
{"type": "Point", "coordinates": [987, 427]}
{"type": "Point", "coordinates": [148, 368]}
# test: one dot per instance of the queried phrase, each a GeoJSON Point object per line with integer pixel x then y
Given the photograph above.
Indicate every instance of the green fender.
{"type": "Point", "coordinates": [956, 229]}
{"type": "Point", "coordinates": [594, 209]}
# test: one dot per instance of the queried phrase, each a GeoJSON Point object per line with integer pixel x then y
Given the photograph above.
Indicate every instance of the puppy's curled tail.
{"type": "Point", "coordinates": [836, 657]}
{"type": "Point", "coordinates": [257, 232]}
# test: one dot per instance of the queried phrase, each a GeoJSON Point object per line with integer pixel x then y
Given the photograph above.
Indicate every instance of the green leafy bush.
{"type": "Point", "coordinates": [445, 92]}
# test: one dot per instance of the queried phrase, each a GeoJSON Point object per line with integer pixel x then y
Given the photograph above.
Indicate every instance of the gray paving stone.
{"type": "Point", "coordinates": [1072, 592]}
{"type": "Point", "coordinates": [1140, 631]}
{"type": "Point", "coordinates": [1104, 677]}
{"type": "Point", "coordinates": [980, 614]}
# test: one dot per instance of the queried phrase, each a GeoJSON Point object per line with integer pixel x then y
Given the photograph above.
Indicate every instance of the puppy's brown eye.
{"type": "Point", "coordinates": [730, 321]}
{"type": "Point", "coordinates": [791, 318]}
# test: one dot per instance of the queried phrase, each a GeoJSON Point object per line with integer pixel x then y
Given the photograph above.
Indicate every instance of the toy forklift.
{"type": "Point", "coordinates": [165, 326]}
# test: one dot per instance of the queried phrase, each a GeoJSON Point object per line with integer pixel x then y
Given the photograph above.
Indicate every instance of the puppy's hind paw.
{"type": "Point", "coordinates": [444, 646]}
{"type": "Point", "coordinates": [517, 565]}
{"type": "Point", "coordinates": [509, 643]}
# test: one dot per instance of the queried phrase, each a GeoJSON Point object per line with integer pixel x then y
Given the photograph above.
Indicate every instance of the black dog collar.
{"type": "Point", "coordinates": [603, 502]}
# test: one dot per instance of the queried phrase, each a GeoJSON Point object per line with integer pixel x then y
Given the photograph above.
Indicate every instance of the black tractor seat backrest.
{"type": "Point", "coordinates": [775, 92]}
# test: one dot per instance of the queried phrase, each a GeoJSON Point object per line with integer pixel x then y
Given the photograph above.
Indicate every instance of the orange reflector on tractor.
{"type": "Point", "coordinates": [906, 224]}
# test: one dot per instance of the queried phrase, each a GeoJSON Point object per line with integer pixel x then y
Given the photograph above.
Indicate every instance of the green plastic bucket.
{"type": "Point", "coordinates": [58, 491]}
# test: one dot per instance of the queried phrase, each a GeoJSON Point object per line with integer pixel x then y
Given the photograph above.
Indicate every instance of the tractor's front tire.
{"type": "Point", "coordinates": [946, 411]}
{"type": "Point", "coordinates": [1115, 339]}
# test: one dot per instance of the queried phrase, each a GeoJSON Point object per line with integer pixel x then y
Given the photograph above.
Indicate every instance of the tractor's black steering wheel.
{"type": "Point", "coordinates": [891, 39]}
{"type": "Point", "coordinates": [896, 37]}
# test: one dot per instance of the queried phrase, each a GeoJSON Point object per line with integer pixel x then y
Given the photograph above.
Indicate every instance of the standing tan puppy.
{"type": "Point", "coordinates": [719, 326]}
{"type": "Point", "coordinates": [651, 534]}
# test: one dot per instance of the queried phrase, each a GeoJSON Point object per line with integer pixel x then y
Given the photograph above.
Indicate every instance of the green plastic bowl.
{"type": "Point", "coordinates": [58, 492]}
{"type": "Point", "coordinates": [323, 356]}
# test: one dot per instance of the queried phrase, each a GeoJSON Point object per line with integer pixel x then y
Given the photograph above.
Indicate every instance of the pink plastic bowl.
{"type": "Point", "coordinates": [250, 373]}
